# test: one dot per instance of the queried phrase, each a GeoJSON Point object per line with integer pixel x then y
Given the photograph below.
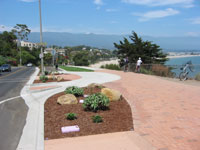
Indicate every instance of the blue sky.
{"type": "Point", "coordinates": [146, 17]}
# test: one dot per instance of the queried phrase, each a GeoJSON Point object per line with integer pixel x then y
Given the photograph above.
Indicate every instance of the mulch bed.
{"type": "Point", "coordinates": [118, 118]}
{"type": "Point", "coordinates": [49, 80]}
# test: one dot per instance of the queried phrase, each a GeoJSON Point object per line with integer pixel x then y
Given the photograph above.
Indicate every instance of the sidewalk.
{"type": "Point", "coordinates": [165, 113]}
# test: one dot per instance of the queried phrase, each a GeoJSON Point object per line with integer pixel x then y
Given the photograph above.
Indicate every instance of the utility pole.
{"type": "Point", "coordinates": [41, 41]}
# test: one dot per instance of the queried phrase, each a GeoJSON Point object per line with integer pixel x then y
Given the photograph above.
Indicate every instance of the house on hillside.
{"type": "Point", "coordinates": [30, 45]}
{"type": "Point", "coordinates": [58, 51]}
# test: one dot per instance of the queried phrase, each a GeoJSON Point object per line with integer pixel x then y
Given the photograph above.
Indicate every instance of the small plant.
{"type": "Point", "coordinates": [97, 119]}
{"type": "Point", "coordinates": [74, 90]}
{"type": "Point", "coordinates": [71, 116]}
{"type": "Point", "coordinates": [96, 102]}
{"type": "Point", "coordinates": [46, 72]}
{"type": "Point", "coordinates": [43, 78]}
{"type": "Point", "coordinates": [111, 66]}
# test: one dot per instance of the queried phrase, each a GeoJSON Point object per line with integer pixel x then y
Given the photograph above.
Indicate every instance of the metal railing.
{"type": "Point", "coordinates": [163, 70]}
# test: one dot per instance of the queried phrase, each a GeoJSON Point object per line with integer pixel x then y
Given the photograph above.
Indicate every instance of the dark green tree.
{"type": "Point", "coordinates": [7, 44]}
{"type": "Point", "coordinates": [149, 52]}
{"type": "Point", "coordinates": [81, 59]}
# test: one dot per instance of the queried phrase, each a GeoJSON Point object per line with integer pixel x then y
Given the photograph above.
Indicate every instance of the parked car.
{"type": "Point", "coordinates": [6, 67]}
{"type": "Point", "coordinates": [29, 65]}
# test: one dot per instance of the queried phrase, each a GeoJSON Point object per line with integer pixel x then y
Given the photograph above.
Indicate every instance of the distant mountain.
{"type": "Point", "coordinates": [106, 41]}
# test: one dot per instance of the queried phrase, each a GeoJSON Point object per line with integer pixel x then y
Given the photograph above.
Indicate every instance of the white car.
{"type": "Point", "coordinates": [29, 65]}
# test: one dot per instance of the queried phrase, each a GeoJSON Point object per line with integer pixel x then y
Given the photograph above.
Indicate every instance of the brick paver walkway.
{"type": "Point", "coordinates": [165, 113]}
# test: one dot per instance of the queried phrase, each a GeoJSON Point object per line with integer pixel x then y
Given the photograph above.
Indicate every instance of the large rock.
{"type": "Point", "coordinates": [113, 95]}
{"type": "Point", "coordinates": [67, 99]}
{"type": "Point", "coordinates": [59, 78]}
{"type": "Point", "coordinates": [93, 85]}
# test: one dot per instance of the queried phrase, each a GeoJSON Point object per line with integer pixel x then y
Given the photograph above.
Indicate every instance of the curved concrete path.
{"type": "Point", "coordinates": [166, 113]}
{"type": "Point", "coordinates": [33, 132]}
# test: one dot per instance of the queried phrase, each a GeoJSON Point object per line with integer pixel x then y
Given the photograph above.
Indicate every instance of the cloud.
{"type": "Point", "coordinates": [28, 1]}
{"type": "Point", "coordinates": [98, 2]}
{"type": "Point", "coordinates": [193, 34]}
{"type": "Point", "coordinates": [156, 14]}
{"type": "Point", "coordinates": [111, 10]}
{"type": "Point", "coordinates": [183, 3]}
{"type": "Point", "coordinates": [5, 28]}
{"type": "Point", "coordinates": [195, 20]}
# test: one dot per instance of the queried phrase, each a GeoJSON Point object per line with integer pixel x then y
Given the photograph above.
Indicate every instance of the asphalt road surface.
{"type": "Point", "coordinates": [13, 110]}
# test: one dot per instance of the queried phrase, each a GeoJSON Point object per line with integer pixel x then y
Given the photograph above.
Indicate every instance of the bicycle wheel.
{"type": "Point", "coordinates": [182, 76]}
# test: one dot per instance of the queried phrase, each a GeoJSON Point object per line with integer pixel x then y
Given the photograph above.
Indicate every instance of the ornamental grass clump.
{"type": "Point", "coordinates": [43, 78]}
{"type": "Point", "coordinates": [96, 102]}
{"type": "Point", "coordinates": [97, 119]}
{"type": "Point", "coordinates": [74, 90]}
{"type": "Point", "coordinates": [71, 116]}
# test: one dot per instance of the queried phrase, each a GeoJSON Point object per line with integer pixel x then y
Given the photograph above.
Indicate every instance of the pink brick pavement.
{"type": "Point", "coordinates": [165, 113]}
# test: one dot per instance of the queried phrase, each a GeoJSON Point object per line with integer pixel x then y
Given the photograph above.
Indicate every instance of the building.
{"type": "Point", "coordinates": [58, 51]}
{"type": "Point", "coordinates": [30, 45]}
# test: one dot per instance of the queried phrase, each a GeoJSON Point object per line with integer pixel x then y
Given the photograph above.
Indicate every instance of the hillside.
{"type": "Point", "coordinates": [106, 41]}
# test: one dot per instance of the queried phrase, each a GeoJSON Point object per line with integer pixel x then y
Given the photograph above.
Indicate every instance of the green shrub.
{"type": "Point", "coordinates": [81, 59]}
{"type": "Point", "coordinates": [111, 66]}
{"type": "Point", "coordinates": [197, 77]}
{"type": "Point", "coordinates": [2, 60]}
{"type": "Point", "coordinates": [161, 70]}
{"type": "Point", "coordinates": [74, 90]}
{"type": "Point", "coordinates": [46, 72]}
{"type": "Point", "coordinates": [97, 119]}
{"type": "Point", "coordinates": [71, 116]}
{"type": "Point", "coordinates": [96, 102]}
{"type": "Point", "coordinates": [102, 66]}
{"type": "Point", "coordinates": [43, 78]}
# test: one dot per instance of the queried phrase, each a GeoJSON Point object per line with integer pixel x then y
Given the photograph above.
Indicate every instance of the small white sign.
{"type": "Point", "coordinates": [81, 101]}
{"type": "Point", "coordinates": [68, 129]}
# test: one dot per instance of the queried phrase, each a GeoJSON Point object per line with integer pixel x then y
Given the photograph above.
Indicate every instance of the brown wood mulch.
{"type": "Point", "coordinates": [118, 118]}
{"type": "Point", "coordinates": [50, 80]}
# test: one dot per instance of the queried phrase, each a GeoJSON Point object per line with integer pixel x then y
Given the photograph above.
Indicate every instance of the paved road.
{"type": "Point", "coordinates": [13, 110]}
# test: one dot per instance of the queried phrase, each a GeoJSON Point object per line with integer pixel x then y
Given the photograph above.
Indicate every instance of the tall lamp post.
{"type": "Point", "coordinates": [41, 41]}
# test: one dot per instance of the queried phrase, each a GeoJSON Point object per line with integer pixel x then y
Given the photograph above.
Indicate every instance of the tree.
{"type": "Point", "coordinates": [21, 31]}
{"type": "Point", "coordinates": [48, 58]}
{"type": "Point", "coordinates": [7, 44]}
{"type": "Point", "coordinates": [149, 52]}
{"type": "Point", "coordinates": [81, 59]}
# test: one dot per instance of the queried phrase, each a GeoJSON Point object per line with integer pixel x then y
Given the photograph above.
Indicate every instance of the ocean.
{"type": "Point", "coordinates": [177, 63]}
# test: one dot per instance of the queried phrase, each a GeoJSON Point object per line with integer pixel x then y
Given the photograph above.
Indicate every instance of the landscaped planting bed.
{"type": "Point", "coordinates": [115, 118]}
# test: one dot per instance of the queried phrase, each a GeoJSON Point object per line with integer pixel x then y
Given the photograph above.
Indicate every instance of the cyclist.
{"type": "Point", "coordinates": [139, 62]}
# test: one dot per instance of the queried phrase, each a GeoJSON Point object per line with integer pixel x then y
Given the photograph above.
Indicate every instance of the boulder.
{"type": "Point", "coordinates": [50, 77]}
{"type": "Point", "coordinates": [67, 99]}
{"type": "Point", "coordinates": [59, 78]}
{"type": "Point", "coordinates": [93, 85]}
{"type": "Point", "coordinates": [113, 95]}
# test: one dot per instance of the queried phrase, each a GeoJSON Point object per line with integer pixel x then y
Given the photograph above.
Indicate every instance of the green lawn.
{"type": "Point", "coordinates": [76, 69]}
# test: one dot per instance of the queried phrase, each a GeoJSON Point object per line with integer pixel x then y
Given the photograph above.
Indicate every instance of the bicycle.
{"type": "Point", "coordinates": [184, 74]}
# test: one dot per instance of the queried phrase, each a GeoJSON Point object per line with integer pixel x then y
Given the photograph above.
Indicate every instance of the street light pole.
{"type": "Point", "coordinates": [41, 41]}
